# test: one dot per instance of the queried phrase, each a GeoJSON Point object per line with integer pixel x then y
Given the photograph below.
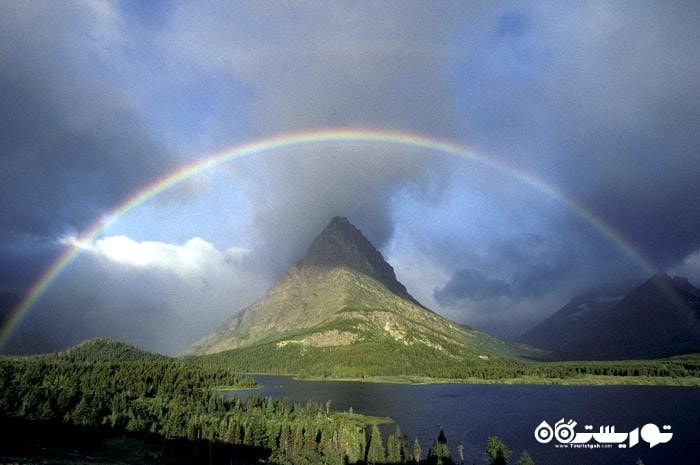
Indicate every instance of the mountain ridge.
{"type": "Point", "coordinates": [343, 293]}
{"type": "Point", "coordinates": [657, 318]}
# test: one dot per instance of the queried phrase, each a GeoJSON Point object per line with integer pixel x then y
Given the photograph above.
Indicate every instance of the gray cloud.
{"type": "Point", "coordinates": [309, 66]}
{"type": "Point", "coordinates": [513, 271]}
{"type": "Point", "coordinates": [73, 142]}
{"type": "Point", "coordinates": [472, 285]}
{"type": "Point", "coordinates": [295, 197]}
{"type": "Point", "coordinates": [599, 99]}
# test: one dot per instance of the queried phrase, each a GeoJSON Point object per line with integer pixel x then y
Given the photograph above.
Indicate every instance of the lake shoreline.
{"type": "Point", "coordinates": [469, 413]}
{"type": "Point", "coordinates": [238, 388]}
{"type": "Point", "coordinates": [586, 380]}
{"type": "Point", "coordinates": [590, 380]}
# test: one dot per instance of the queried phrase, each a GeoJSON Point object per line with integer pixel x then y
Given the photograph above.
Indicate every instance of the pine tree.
{"type": "Point", "coordinates": [439, 453]}
{"type": "Point", "coordinates": [405, 451]}
{"type": "Point", "coordinates": [496, 451]}
{"type": "Point", "coordinates": [391, 455]}
{"type": "Point", "coordinates": [82, 414]}
{"type": "Point", "coordinates": [285, 437]}
{"type": "Point", "coordinates": [352, 441]}
{"type": "Point", "coordinates": [393, 447]}
{"type": "Point", "coordinates": [417, 451]}
{"type": "Point", "coordinates": [375, 451]}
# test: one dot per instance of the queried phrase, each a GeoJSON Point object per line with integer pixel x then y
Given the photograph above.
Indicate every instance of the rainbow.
{"type": "Point", "coordinates": [293, 140]}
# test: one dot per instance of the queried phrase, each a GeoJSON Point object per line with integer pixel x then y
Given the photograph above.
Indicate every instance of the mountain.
{"type": "Point", "coordinates": [577, 319]}
{"type": "Point", "coordinates": [659, 318]}
{"type": "Point", "coordinates": [105, 350]}
{"type": "Point", "coordinates": [342, 305]}
{"type": "Point", "coordinates": [343, 245]}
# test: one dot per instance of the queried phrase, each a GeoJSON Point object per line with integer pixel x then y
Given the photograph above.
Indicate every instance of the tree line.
{"type": "Point", "coordinates": [386, 358]}
{"type": "Point", "coordinates": [177, 399]}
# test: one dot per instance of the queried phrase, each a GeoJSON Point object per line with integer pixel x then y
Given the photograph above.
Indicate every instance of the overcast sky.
{"type": "Point", "coordinates": [600, 100]}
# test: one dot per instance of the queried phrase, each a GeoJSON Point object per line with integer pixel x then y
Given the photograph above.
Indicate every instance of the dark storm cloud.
{"type": "Point", "coordinates": [23, 260]}
{"type": "Point", "coordinates": [530, 267]}
{"type": "Point", "coordinates": [298, 195]}
{"type": "Point", "coordinates": [600, 98]}
{"type": "Point", "coordinates": [312, 66]}
{"type": "Point", "coordinates": [73, 142]}
{"type": "Point", "coordinates": [472, 285]}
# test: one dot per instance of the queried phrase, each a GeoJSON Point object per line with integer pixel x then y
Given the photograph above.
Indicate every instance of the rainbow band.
{"type": "Point", "coordinates": [285, 141]}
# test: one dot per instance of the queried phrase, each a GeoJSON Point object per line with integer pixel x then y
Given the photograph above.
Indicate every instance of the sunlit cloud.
{"type": "Point", "coordinates": [163, 295]}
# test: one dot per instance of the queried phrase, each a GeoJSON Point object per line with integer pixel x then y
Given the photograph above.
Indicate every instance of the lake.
{"type": "Point", "coordinates": [470, 413]}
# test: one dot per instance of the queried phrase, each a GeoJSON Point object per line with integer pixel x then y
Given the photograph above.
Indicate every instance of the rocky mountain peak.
{"type": "Point", "coordinates": [341, 244]}
{"type": "Point", "coordinates": [343, 293]}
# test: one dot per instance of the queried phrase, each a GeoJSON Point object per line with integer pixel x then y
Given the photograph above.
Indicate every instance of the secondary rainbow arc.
{"type": "Point", "coordinates": [291, 140]}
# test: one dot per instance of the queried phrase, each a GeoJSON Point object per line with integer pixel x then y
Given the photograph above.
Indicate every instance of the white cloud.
{"type": "Point", "coordinates": [160, 295]}
{"type": "Point", "coordinates": [689, 268]}
{"type": "Point", "coordinates": [190, 258]}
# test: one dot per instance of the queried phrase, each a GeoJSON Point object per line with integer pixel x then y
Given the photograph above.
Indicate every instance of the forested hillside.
{"type": "Point", "coordinates": [361, 361]}
{"type": "Point", "coordinates": [176, 400]}
{"type": "Point", "coordinates": [105, 349]}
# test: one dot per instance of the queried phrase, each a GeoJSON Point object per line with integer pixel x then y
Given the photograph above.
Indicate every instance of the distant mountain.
{"type": "Point", "coordinates": [342, 306]}
{"type": "Point", "coordinates": [105, 350]}
{"type": "Point", "coordinates": [659, 318]}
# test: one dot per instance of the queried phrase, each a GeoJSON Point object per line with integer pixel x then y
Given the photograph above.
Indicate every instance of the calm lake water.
{"type": "Point", "coordinates": [470, 413]}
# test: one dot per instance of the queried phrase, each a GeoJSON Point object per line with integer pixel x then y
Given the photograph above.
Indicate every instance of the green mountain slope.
{"type": "Point", "coordinates": [105, 350]}
{"type": "Point", "coordinates": [342, 308]}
